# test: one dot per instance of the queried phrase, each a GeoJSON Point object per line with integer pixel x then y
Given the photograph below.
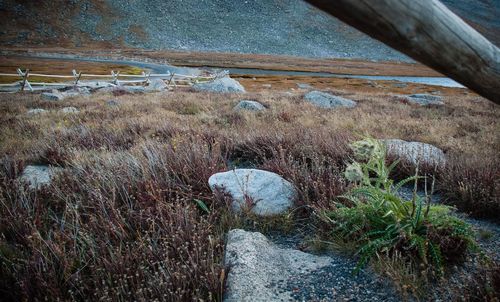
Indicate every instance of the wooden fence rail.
{"type": "Point", "coordinates": [171, 79]}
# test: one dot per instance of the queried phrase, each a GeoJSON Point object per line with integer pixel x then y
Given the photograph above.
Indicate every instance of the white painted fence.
{"type": "Point", "coordinates": [116, 78]}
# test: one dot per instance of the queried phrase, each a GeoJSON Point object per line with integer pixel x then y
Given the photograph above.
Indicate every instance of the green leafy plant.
{"type": "Point", "coordinates": [381, 221]}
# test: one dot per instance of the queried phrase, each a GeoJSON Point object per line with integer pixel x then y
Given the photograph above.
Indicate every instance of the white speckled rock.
{"type": "Point", "coordinates": [326, 100]}
{"type": "Point", "coordinates": [225, 84]}
{"type": "Point", "coordinates": [265, 192]}
{"type": "Point", "coordinates": [257, 266]}
{"type": "Point", "coordinates": [415, 152]}
{"type": "Point", "coordinates": [249, 105]}
{"type": "Point", "coordinates": [37, 176]}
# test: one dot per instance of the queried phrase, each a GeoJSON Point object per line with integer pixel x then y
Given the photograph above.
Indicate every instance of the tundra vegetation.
{"type": "Point", "coordinates": [131, 215]}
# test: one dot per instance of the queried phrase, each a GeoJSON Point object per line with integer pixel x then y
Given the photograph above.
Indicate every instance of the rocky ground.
{"type": "Point", "coordinates": [253, 26]}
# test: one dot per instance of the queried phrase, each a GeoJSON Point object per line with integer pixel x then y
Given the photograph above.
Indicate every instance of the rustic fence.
{"type": "Point", "coordinates": [116, 78]}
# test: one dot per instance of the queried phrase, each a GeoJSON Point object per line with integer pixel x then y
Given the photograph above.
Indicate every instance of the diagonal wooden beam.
{"type": "Point", "coordinates": [427, 31]}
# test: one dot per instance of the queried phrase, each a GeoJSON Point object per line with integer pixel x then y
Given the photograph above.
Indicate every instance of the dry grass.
{"type": "Point", "coordinates": [122, 223]}
{"type": "Point", "coordinates": [55, 67]}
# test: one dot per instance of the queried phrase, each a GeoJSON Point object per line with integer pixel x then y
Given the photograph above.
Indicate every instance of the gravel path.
{"type": "Point", "coordinates": [334, 282]}
{"type": "Point", "coordinates": [337, 283]}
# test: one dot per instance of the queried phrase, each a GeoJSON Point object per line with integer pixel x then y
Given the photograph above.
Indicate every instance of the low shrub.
{"type": "Point", "coordinates": [472, 185]}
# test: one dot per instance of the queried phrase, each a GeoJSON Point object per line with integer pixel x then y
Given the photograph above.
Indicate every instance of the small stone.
{"type": "Point", "coordinates": [36, 111]}
{"type": "Point", "coordinates": [304, 86]}
{"type": "Point", "coordinates": [76, 91]}
{"type": "Point", "coordinates": [424, 100]}
{"type": "Point", "coordinates": [69, 110]}
{"type": "Point", "coordinates": [52, 96]}
{"type": "Point", "coordinates": [37, 176]}
{"type": "Point", "coordinates": [326, 100]}
{"type": "Point", "coordinates": [249, 105]}
{"type": "Point", "coordinates": [400, 85]}
{"type": "Point", "coordinates": [112, 103]}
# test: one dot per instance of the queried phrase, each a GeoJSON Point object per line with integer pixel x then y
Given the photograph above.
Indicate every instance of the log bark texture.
{"type": "Point", "coordinates": [427, 31]}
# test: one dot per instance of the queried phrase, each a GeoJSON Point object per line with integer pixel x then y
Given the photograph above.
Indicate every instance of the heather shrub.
{"type": "Point", "coordinates": [119, 226]}
{"type": "Point", "coordinates": [472, 185]}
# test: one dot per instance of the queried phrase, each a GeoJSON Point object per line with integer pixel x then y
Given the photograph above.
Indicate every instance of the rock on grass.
{"type": "Point", "coordinates": [249, 106]}
{"type": "Point", "coordinates": [225, 84]}
{"type": "Point", "coordinates": [37, 176]}
{"type": "Point", "coordinates": [69, 110]}
{"type": "Point", "coordinates": [52, 96]}
{"type": "Point", "coordinates": [265, 193]}
{"type": "Point", "coordinates": [326, 100]}
{"type": "Point", "coordinates": [415, 152]}
{"type": "Point", "coordinates": [423, 100]}
{"type": "Point", "coordinates": [35, 111]}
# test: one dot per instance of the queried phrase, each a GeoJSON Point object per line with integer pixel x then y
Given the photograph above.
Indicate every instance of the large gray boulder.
{"type": "Point", "coordinates": [156, 85]}
{"type": "Point", "coordinates": [264, 192]}
{"type": "Point", "coordinates": [257, 267]}
{"type": "Point", "coordinates": [225, 84]}
{"type": "Point", "coordinates": [326, 100]}
{"type": "Point", "coordinates": [249, 105]}
{"type": "Point", "coordinates": [37, 176]}
{"type": "Point", "coordinates": [415, 152]}
{"type": "Point", "coordinates": [424, 100]}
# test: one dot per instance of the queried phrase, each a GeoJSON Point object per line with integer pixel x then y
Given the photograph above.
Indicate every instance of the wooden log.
{"type": "Point", "coordinates": [25, 76]}
{"type": "Point", "coordinates": [41, 75]}
{"type": "Point", "coordinates": [77, 76]}
{"type": "Point", "coordinates": [172, 80]}
{"type": "Point", "coordinates": [9, 75]}
{"type": "Point", "coordinates": [427, 31]}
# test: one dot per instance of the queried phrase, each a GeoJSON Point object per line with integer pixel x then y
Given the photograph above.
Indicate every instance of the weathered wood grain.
{"type": "Point", "coordinates": [427, 31]}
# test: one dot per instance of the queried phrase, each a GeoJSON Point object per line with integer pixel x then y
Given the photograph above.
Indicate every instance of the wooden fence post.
{"type": "Point", "coordinates": [77, 76]}
{"type": "Point", "coordinates": [146, 78]}
{"type": "Point", "coordinates": [430, 33]}
{"type": "Point", "coordinates": [25, 76]}
{"type": "Point", "coordinates": [115, 77]}
{"type": "Point", "coordinates": [172, 80]}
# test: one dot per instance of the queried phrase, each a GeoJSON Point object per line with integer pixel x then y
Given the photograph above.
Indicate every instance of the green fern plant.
{"type": "Point", "coordinates": [381, 221]}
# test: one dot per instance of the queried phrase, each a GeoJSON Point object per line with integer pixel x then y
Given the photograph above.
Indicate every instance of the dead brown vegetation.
{"type": "Point", "coordinates": [122, 221]}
